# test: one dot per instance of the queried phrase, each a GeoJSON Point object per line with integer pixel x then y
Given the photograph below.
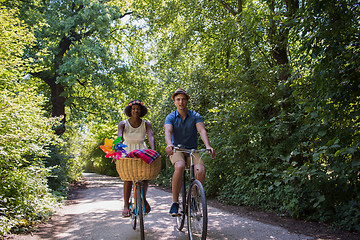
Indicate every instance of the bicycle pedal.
{"type": "Point", "coordinates": [176, 215]}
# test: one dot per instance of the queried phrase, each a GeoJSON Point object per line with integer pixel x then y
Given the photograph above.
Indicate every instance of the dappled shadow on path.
{"type": "Point", "coordinates": [96, 214]}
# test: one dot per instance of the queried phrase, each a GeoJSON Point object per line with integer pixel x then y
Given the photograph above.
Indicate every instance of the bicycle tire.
{"type": "Point", "coordinates": [180, 220]}
{"type": "Point", "coordinates": [132, 214]}
{"type": "Point", "coordinates": [141, 208]}
{"type": "Point", "coordinates": [197, 218]}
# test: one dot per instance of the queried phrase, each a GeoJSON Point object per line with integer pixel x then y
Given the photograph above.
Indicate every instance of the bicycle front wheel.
{"type": "Point", "coordinates": [141, 208]}
{"type": "Point", "coordinates": [197, 218]}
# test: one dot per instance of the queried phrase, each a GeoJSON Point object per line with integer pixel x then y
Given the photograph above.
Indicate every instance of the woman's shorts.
{"type": "Point", "coordinates": [180, 156]}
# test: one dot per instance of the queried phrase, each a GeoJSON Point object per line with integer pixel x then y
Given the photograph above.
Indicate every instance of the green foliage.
{"type": "Point", "coordinates": [24, 199]}
{"type": "Point", "coordinates": [90, 152]}
{"type": "Point", "coordinates": [277, 83]}
{"type": "Point", "coordinates": [26, 133]}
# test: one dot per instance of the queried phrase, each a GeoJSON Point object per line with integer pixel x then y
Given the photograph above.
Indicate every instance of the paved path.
{"type": "Point", "coordinates": [97, 215]}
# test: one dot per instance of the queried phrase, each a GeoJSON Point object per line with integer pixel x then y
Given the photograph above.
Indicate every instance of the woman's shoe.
{"type": "Point", "coordinates": [126, 213]}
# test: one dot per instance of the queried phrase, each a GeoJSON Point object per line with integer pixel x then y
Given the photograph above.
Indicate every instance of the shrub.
{"type": "Point", "coordinates": [25, 199]}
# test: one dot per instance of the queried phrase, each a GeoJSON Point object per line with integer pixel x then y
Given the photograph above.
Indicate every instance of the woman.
{"type": "Point", "coordinates": [133, 132]}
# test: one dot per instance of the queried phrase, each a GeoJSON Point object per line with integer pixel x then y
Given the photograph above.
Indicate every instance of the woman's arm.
{"type": "Point", "coordinates": [150, 135]}
{"type": "Point", "coordinates": [121, 128]}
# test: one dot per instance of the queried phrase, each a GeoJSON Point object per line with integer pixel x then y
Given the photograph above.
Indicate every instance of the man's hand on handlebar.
{"type": "Point", "coordinates": [169, 150]}
{"type": "Point", "coordinates": [212, 151]}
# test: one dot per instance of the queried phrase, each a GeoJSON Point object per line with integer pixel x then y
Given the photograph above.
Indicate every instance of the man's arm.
{"type": "Point", "coordinates": [200, 126]}
{"type": "Point", "coordinates": [168, 138]}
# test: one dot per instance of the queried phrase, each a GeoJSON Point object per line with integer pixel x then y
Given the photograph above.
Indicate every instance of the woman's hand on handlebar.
{"type": "Point", "coordinates": [169, 150]}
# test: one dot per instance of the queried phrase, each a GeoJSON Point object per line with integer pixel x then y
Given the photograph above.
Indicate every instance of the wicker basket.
{"type": "Point", "coordinates": [135, 169]}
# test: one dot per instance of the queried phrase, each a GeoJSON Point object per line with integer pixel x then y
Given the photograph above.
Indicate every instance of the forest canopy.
{"type": "Point", "coordinates": [276, 81]}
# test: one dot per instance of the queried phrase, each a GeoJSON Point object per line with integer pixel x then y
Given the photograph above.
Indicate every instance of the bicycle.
{"type": "Point", "coordinates": [192, 203]}
{"type": "Point", "coordinates": [136, 170]}
{"type": "Point", "coordinates": [137, 207]}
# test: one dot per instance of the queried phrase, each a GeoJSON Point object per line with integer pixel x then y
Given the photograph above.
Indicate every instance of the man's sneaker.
{"type": "Point", "coordinates": [174, 210]}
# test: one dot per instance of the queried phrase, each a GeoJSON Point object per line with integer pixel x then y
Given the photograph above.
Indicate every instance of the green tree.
{"type": "Point", "coordinates": [25, 133]}
{"type": "Point", "coordinates": [72, 52]}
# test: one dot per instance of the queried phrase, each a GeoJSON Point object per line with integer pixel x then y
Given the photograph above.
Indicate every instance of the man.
{"type": "Point", "coordinates": [181, 127]}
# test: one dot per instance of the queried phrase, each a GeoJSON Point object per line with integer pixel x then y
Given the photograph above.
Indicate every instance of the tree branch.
{"type": "Point", "coordinates": [239, 6]}
{"type": "Point", "coordinates": [81, 83]}
{"type": "Point", "coordinates": [81, 108]}
{"type": "Point", "coordinates": [127, 13]}
{"type": "Point", "coordinates": [228, 7]}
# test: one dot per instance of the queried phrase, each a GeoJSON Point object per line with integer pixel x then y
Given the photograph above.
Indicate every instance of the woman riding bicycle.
{"type": "Point", "coordinates": [133, 131]}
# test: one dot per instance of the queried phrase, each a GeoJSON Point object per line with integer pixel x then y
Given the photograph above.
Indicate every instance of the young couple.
{"type": "Point", "coordinates": [181, 127]}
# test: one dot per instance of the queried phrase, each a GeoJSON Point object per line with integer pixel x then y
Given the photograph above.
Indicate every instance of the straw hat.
{"type": "Point", "coordinates": [178, 91]}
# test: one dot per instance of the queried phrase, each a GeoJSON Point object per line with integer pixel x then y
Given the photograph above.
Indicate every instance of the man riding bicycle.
{"type": "Point", "coordinates": [181, 127]}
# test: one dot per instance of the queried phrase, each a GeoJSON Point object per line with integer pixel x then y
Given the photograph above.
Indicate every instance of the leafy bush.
{"type": "Point", "coordinates": [25, 199]}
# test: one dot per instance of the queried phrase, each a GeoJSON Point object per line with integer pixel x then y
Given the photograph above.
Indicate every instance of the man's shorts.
{"type": "Point", "coordinates": [180, 156]}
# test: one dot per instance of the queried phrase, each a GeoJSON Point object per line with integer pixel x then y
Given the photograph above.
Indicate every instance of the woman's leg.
{"type": "Point", "coordinates": [145, 188]}
{"type": "Point", "coordinates": [127, 193]}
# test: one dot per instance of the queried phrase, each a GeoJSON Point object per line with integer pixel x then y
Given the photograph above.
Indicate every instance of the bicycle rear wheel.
{"type": "Point", "coordinates": [180, 220]}
{"type": "Point", "coordinates": [141, 208]}
{"type": "Point", "coordinates": [197, 218]}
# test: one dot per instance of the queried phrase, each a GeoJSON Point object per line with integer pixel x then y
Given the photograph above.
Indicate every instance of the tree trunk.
{"type": "Point", "coordinates": [57, 90]}
{"type": "Point", "coordinates": [58, 107]}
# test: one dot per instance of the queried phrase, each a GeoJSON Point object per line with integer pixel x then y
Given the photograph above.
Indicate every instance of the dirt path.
{"type": "Point", "coordinates": [94, 212]}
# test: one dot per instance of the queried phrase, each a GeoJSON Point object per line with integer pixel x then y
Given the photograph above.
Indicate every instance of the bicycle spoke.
{"type": "Point", "coordinates": [132, 214]}
{"type": "Point", "coordinates": [197, 213]}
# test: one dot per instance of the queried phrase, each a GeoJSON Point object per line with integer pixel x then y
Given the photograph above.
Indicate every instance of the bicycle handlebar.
{"type": "Point", "coordinates": [181, 149]}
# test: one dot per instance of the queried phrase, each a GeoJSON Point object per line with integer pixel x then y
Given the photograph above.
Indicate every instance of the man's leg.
{"type": "Point", "coordinates": [179, 166]}
{"type": "Point", "coordinates": [177, 179]}
{"type": "Point", "coordinates": [199, 168]}
{"type": "Point", "coordinates": [200, 173]}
